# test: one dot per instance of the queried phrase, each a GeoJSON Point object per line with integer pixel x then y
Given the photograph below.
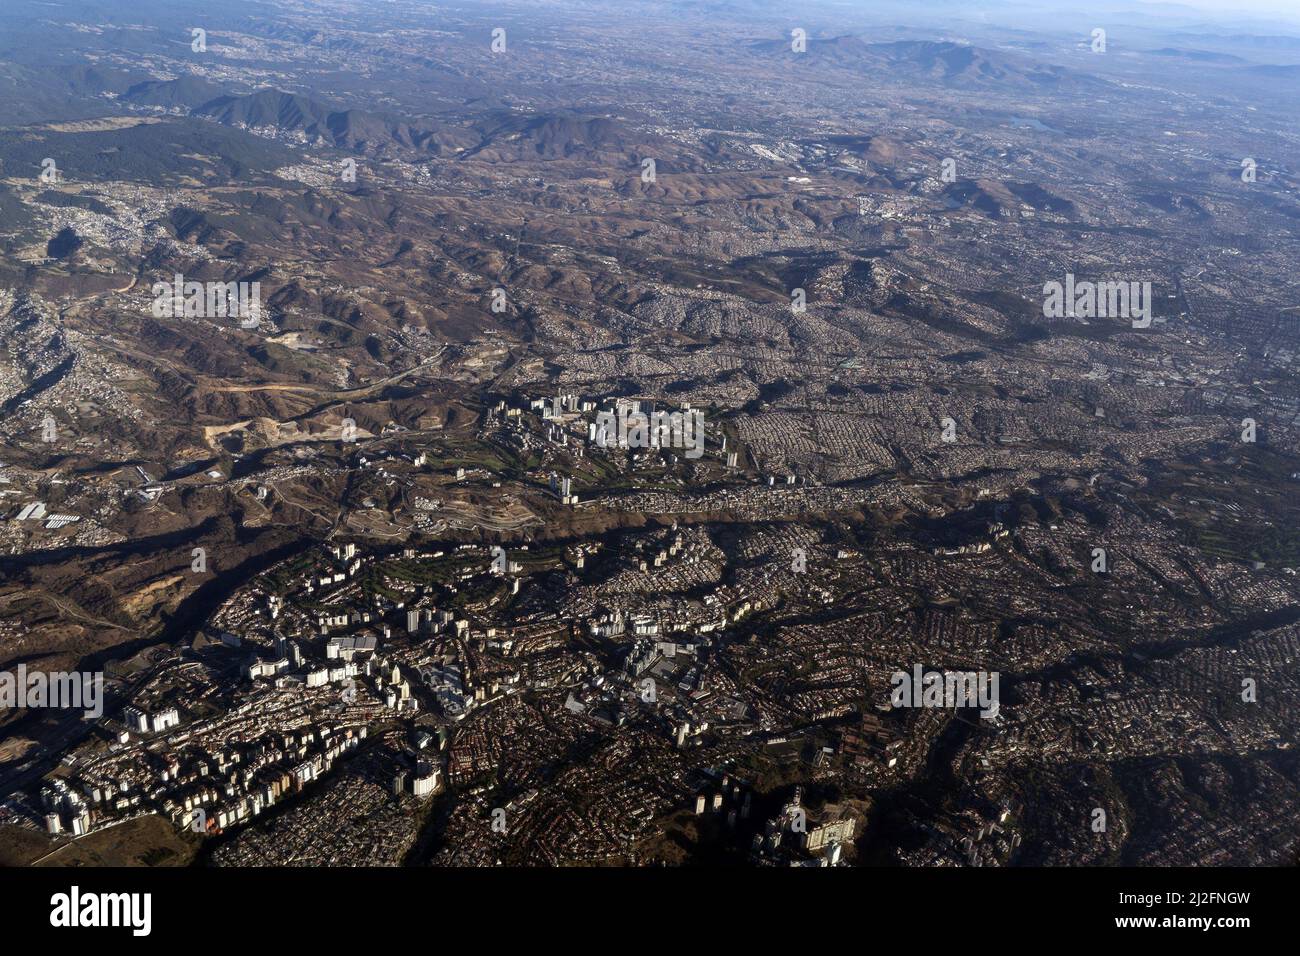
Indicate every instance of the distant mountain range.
{"type": "Point", "coordinates": [500, 135]}
{"type": "Point", "coordinates": [356, 130]}
{"type": "Point", "coordinates": [951, 64]}
{"type": "Point", "coordinates": [1200, 56]}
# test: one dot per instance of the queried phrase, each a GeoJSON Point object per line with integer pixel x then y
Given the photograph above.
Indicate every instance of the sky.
{"type": "Point", "coordinates": [1286, 9]}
